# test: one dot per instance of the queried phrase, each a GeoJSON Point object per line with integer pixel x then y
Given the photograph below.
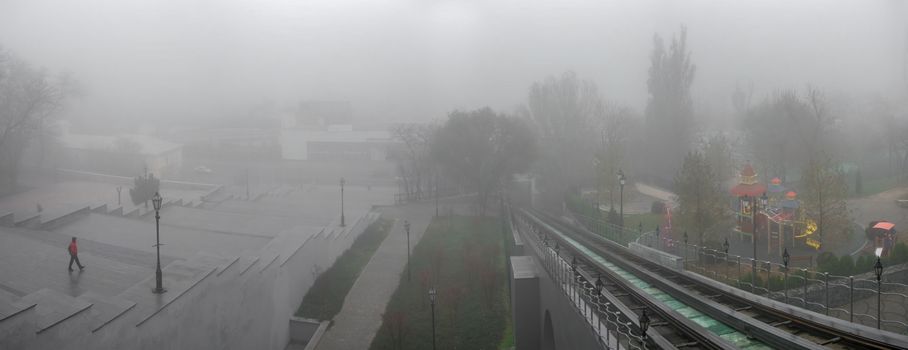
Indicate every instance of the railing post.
{"type": "Point", "coordinates": [753, 276]}
{"type": "Point", "coordinates": [826, 282]}
{"type": "Point", "coordinates": [851, 297]}
{"type": "Point", "coordinates": [805, 287]}
{"type": "Point", "coordinates": [785, 284]}
{"type": "Point", "coordinates": [739, 272]}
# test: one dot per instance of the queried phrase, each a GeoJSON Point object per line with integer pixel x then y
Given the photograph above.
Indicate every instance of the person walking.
{"type": "Point", "coordinates": [74, 255]}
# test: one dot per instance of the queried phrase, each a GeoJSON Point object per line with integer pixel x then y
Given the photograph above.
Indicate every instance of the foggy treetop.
{"type": "Point", "coordinates": [417, 60]}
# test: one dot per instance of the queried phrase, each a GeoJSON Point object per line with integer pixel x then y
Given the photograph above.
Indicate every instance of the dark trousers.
{"type": "Point", "coordinates": [74, 257]}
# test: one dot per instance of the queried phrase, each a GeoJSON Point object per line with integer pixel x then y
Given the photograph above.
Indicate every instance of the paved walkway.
{"type": "Point", "coordinates": [360, 318]}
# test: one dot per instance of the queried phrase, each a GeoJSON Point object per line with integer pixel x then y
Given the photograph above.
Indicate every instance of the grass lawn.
{"type": "Point", "coordinates": [463, 258]}
{"type": "Point", "coordinates": [649, 221]}
{"type": "Point", "coordinates": [326, 297]}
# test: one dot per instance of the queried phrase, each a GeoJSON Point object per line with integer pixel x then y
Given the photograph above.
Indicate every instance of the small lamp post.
{"type": "Point", "coordinates": [407, 228]}
{"type": "Point", "coordinates": [658, 238]}
{"type": "Point", "coordinates": [644, 323]}
{"type": "Point", "coordinates": [342, 181]}
{"type": "Point", "coordinates": [621, 181]}
{"type": "Point", "coordinates": [685, 250]}
{"type": "Point", "coordinates": [878, 270]}
{"type": "Point", "coordinates": [158, 276]}
{"type": "Point", "coordinates": [785, 259]}
{"type": "Point", "coordinates": [432, 301]}
{"type": "Point", "coordinates": [598, 285]}
{"type": "Point", "coordinates": [725, 246]}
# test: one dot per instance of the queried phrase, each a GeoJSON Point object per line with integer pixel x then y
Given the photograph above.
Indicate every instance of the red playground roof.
{"type": "Point", "coordinates": [752, 190]}
{"type": "Point", "coordinates": [748, 170]}
{"type": "Point", "coordinates": [885, 225]}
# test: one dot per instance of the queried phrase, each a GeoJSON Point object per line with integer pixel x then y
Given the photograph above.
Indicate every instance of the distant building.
{"type": "Point", "coordinates": [323, 113]}
{"type": "Point", "coordinates": [125, 154]}
{"type": "Point", "coordinates": [336, 142]}
{"type": "Point", "coordinates": [230, 143]}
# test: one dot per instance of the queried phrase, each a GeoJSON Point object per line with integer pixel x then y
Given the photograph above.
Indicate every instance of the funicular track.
{"type": "Point", "coordinates": [620, 303]}
{"type": "Point", "coordinates": [765, 320]}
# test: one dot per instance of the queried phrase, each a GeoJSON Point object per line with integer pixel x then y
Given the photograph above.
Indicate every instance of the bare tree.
{"type": "Point", "coordinates": [28, 99]}
{"type": "Point", "coordinates": [414, 161]}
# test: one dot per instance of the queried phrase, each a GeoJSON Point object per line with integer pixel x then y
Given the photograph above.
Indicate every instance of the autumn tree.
{"type": "Point", "coordinates": [669, 110]}
{"type": "Point", "coordinates": [701, 198]}
{"type": "Point", "coordinates": [824, 194]}
{"type": "Point", "coordinates": [718, 153]}
{"type": "Point", "coordinates": [482, 149]}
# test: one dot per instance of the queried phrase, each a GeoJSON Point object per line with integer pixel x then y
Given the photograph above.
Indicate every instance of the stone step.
{"type": "Point", "coordinates": [105, 309]}
{"type": "Point", "coordinates": [9, 306]}
{"type": "Point", "coordinates": [52, 307]}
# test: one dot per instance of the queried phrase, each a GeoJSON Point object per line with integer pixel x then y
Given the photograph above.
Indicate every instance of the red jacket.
{"type": "Point", "coordinates": [73, 248]}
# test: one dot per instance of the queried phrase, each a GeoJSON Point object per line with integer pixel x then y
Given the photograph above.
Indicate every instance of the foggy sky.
{"type": "Point", "coordinates": [417, 59]}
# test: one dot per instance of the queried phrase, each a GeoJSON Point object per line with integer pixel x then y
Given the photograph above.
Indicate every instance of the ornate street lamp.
{"type": "Point", "coordinates": [432, 301]}
{"type": "Point", "coordinates": [407, 228]}
{"type": "Point", "coordinates": [158, 276]}
{"type": "Point", "coordinates": [621, 182]}
{"type": "Point", "coordinates": [644, 323]}
{"type": "Point", "coordinates": [342, 202]}
{"type": "Point", "coordinates": [878, 270]}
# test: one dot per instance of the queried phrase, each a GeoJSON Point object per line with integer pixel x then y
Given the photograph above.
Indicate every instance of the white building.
{"type": "Point", "coordinates": [336, 142]}
{"type": "Point", "coordinates": [125, 154]}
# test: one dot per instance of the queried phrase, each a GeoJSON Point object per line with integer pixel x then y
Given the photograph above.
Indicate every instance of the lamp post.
{"type": "Point", "coordinates": [598, 298]}
{"type": "Point", "coordinates": [342, 202]}
{"type": "Point", "coordinates": [753, 235]}
{"type": "Point", "coordinates": [432, 301]}
{"type": "Point", "coordinates": [621, 182]}
{"type": "Point", "coordinates": [644, 323]}
{"type": "Point", "coordinates": [658, 239]}
{"type": "Point", "coordinates": [785, 258]}
{"type": "Point", "coordinates": [725, 248]}
{"type": "Point", "coordinates": [158, 283]}
{"type": "Point", "coordinates": [407, 228]}
{"type": "Point", "coordinates": [878, 269]}
{"type": "Point", "coordinates": [684, 261]}
{"type": "Point", "coordinates": [435, 182]}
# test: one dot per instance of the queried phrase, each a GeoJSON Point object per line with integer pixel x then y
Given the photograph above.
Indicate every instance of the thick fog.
{"type": "Point", "coordinates": [416, 60]}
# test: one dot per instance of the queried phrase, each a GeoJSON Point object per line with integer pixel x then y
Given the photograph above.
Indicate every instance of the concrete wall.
{"type": "Point", "coordinates": [569, 329]}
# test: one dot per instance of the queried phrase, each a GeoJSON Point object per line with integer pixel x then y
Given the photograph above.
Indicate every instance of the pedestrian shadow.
{"type": "Point", "coordinates": [75, 277]}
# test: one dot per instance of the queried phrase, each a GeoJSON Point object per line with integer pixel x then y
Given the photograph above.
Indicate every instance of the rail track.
{"type": "Point", "coordinates": [770, 325]}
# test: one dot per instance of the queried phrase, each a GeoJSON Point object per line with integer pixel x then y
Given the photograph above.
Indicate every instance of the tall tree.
{"type": "Point", "coordinates": [563, 109]}
{"type": "Point", "coordinates": [615, 126]}
{"type": "Point", "coordinates": [669, 110]}
{"type": "Point", "coordinates": [824, 196]}
{"type": "Point", "coordinates": [482, 149]}
{"type": "Point", "coordinates": [701, 198]}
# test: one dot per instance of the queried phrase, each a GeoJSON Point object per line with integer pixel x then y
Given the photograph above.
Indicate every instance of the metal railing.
{"type": "Point", "coordinates": [811, 288]}
{"type": "Point", "coordinates": [613, 329]}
